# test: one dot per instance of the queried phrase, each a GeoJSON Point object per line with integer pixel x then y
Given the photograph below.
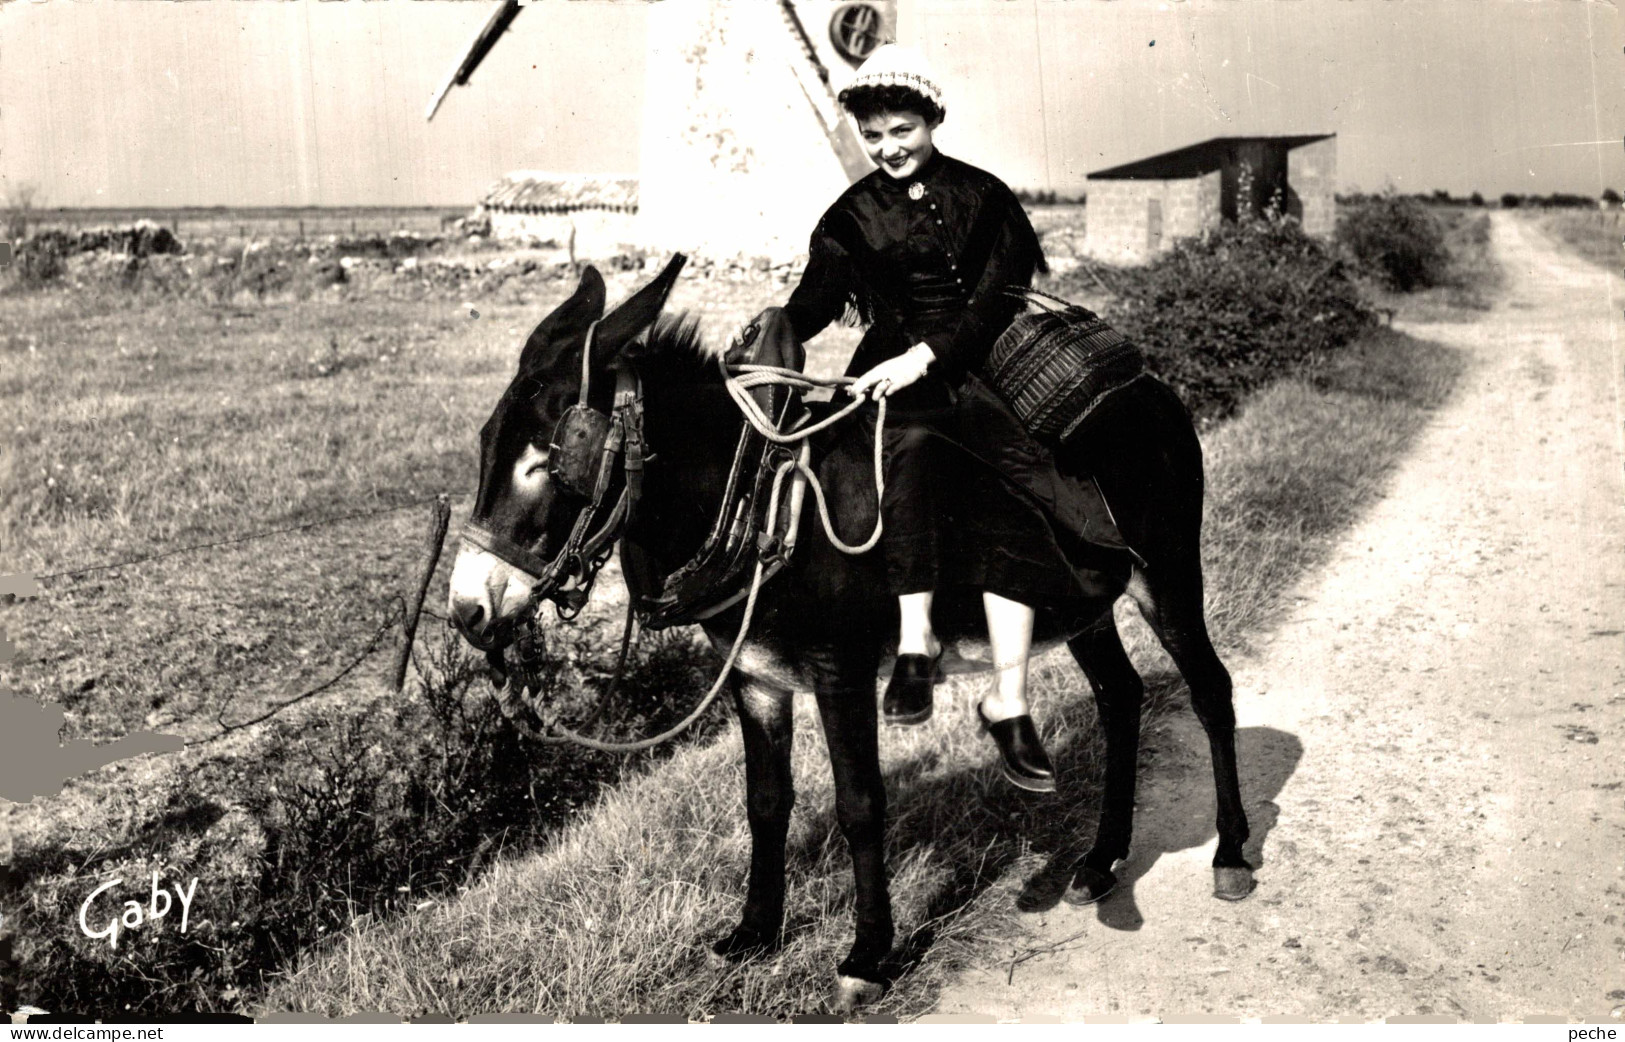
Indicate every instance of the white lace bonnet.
{"type": "Point", "coordinates": [893, 65]}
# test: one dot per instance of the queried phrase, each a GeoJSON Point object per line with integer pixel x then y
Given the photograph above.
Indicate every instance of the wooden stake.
{"type": "Point", "coordinates": [414, 608]}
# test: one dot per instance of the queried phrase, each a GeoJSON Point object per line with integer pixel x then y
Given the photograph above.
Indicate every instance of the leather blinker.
{"type": "Point", "coordinates": [577, 449]}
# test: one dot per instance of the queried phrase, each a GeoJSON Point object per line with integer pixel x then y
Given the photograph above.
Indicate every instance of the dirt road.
{"type": "Point", "coordinates": [1430, 741]}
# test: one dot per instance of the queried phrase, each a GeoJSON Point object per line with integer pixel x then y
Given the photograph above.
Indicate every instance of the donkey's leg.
{"type": "Point", "coordinates": [1170, 597]}
{"type": "Point", "coordinates": [767, 722]}
{"type": "Point", "coordinates": [846, 704]}
{"type": "Point", "coordinates": [1119, 693]}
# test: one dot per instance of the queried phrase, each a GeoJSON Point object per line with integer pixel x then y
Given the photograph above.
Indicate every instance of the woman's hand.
{"type": "Point", "coordinates": [894, 374]}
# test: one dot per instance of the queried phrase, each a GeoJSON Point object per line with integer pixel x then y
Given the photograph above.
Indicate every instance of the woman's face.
{"type": "Point", "coordinates": [898, 142]}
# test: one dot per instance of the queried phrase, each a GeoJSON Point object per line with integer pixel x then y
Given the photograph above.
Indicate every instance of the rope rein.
{"type": "Point", "coordinates": [751, 376]}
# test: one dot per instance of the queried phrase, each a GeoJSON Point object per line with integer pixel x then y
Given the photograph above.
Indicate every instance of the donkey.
{"type": "Point", "coordinates": [825, 621]}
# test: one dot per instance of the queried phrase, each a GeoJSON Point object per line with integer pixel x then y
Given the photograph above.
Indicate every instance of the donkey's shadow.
{"type": "Point", "coordinates": [1175, 808]}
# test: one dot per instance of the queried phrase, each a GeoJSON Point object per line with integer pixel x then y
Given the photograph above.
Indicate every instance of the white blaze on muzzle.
{"type": "Point", "coordinates": [481, 578]}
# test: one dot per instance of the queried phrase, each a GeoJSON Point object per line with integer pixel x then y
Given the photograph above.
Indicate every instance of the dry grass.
{"type": "Point", "coordinates": [1595, 235]}
{"type": "Point", "coordinates": [612, 917]}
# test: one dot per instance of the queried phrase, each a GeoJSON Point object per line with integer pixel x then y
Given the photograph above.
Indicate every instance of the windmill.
{"type": "Point", "coordinates": [742, 145]}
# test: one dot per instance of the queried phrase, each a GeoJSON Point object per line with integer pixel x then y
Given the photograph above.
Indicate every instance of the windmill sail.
{"type": "Point", "coordinates": [477, 50]}
{"type": "Point", "coordinates": [813, 76]}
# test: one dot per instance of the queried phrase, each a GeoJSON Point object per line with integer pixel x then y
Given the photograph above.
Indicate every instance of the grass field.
{"type": "Point", "coordinates": [145, 423]}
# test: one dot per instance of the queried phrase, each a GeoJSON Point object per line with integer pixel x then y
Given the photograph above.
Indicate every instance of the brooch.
{"type": "Point", "coordinates": [916, 191]}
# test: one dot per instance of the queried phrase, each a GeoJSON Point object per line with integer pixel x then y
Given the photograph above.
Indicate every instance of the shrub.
{"type": "Point", "coordinates": [1220, 315]}
{"type": "Point", "coordinates": [1510, 201]}
{"type": "Point", "coordinates": [1040, 197]}
{"type": "Point", "coordinates": [1397, 240]}
{"type": "Point", "coordinates": [42, 258]}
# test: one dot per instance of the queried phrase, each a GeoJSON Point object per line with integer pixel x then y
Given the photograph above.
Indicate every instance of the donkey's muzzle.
{"type": "Point", "coordinates": [470, 619]}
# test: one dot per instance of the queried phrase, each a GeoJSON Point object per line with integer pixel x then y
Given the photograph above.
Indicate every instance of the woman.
{"type": "Point", "coordinates": [924, 251]}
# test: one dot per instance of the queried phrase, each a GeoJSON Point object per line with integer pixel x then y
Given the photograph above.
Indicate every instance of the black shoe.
{"type": "Point", "coordinates": [908, 695]}
{"type": "Point", "coordinates": [1026, 765]}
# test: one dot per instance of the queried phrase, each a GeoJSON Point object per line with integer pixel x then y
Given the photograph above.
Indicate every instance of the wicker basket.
{"type": "Point", "coordinates": [1055, 365]}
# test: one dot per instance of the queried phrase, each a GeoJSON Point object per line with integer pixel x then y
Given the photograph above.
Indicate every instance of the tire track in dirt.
{"type": "Point", "coordinates": [1429, 739]}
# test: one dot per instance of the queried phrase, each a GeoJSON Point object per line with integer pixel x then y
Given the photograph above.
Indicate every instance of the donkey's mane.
{"type": "Point", "coordinates": [672, 352]}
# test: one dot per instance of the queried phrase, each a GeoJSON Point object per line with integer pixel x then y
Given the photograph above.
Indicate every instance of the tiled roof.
{"type": "Point", "coordinates": [527, 191]}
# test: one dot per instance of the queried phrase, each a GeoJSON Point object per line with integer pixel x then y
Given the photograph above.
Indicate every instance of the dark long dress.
{"type": "Point", "coordinates": [970, 500]}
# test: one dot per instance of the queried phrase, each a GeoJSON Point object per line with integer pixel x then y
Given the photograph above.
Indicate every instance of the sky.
{"type": "Point", "coordinates": [320, 102]}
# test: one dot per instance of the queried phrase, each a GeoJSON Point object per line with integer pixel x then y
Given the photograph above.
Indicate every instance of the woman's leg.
{"type": "Point", "coordinates": [1005, 713]}
{"type": "Point", "coordinates": [908, 696]}
{"type": "Point", "coordinates": [1010, 632]}
{"type": "Point", "coordinates": [908, 508]}
{"type": "Point", "coordinates": [916, 636]}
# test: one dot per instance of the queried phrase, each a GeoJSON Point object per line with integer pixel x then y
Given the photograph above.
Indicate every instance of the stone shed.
{"type": "Point", "coordinates": [595, 213]}
{"type": "Point", "coordinates": [1138, 209]}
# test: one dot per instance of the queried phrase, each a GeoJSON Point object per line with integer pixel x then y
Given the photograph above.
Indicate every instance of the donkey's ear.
{"type": "Point", "coordinates": [565, 327]}
{"type": "Point", "coordinates": [635, 314]}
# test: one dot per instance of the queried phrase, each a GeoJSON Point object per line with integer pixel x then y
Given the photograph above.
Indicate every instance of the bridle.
{"type": "Point", "coordinates": [583, 435]}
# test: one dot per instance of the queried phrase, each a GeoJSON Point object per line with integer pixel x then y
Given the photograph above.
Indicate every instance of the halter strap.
{"type": "Point", "coordinates": [506, 549]}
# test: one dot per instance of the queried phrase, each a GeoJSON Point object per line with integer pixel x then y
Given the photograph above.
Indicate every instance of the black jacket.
{"type": "Point", "coordinates": [930, 263]}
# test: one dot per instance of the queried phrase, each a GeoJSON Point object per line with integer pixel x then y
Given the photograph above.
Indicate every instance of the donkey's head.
{"type": "Point", "coordinates": [528, 502]}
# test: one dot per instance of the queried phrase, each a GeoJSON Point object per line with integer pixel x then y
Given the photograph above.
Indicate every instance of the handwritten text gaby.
{"type": "Point", "coordinates": [133, 912]}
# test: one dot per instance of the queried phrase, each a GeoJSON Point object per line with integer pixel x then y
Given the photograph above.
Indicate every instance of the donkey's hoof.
{"type": "Point", "coordinates": [738, 946]}
{"type": "Point", "coordinates": [1089, 885]}
{"type": "Point", "coordinates": [852, 993]}
{"type": "Point", "coordinates": [1232, 884]}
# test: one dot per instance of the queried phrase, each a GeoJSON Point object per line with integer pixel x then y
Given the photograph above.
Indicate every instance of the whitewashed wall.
{"type": "Point", "coordinates": [598, 233]}
{"type": "Point", "coordinates": [735, 161]}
